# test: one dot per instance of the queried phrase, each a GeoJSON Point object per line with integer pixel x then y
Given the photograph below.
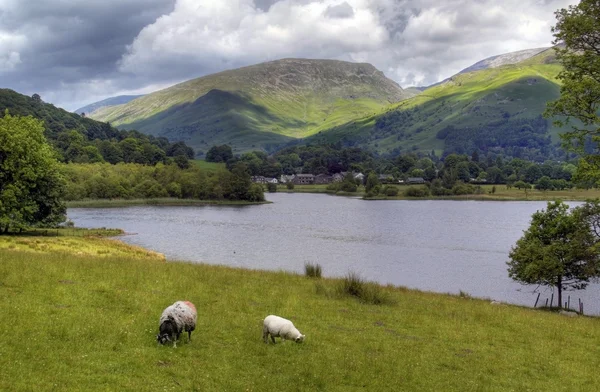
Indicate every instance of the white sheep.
{"type": "Point", "coordinates": [279, 327]}
{"type": "Point", "coordinates": [176, 318]}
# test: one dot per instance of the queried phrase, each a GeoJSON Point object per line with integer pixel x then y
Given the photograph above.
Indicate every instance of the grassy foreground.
{"type": "Point", "coordinates": [88, 322]}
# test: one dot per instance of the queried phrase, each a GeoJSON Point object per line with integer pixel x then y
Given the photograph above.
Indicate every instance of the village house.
{"type": "Point", "coordinates": [259, 179]}
{"type": "Point", "coordinates": [285, 178]}
{"type": "Point", "coordinates": [337, 177]}
{"type": "Point", "coordinates": [386, 178]}
{"type": "Point", "coordinates": [415, 180]}
{"type": "Point", "coordinates": [323, 179]}
{"type": "Point", "coordinates": [304, 179]}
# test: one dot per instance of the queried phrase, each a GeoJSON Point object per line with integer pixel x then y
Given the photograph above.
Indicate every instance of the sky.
{"type": "Point", "coordinates": [75, 52]}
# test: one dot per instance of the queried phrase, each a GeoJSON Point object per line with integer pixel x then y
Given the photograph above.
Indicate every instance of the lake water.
{"type": "Point", "coordinates": [435, 245]}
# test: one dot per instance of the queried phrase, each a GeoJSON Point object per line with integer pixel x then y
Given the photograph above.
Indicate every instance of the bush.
{"type": "Point", "coordinates": [463, 189]}
{"type": "Point", "coordinates": [348, 187]}
{"type": "Point", "coordinates": [416, 192]}
{"type": "Point", "coordinates": [312, 270]}
{"type": "Point", "coordinates": [271, 187]}
{"type": "Point", "coordinates": [289, 185]}
{"type": "Point", "coordinates": [255, 193]}
{"type": "Point", "coordinates": [390, 191]}
{"type": "Point", "coordinates": [367, 292]}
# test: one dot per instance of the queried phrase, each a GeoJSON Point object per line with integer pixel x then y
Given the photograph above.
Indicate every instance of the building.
{"type": "Point", "coordinates": [323, 179]}
{"type": "Point", "coordinates": [415, 180]}
{"type": "Point", "coordinates": [304, 179]}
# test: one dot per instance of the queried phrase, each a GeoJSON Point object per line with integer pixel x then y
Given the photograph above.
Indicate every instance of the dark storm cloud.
{"type": "Point", "coordinates": [66, 44]}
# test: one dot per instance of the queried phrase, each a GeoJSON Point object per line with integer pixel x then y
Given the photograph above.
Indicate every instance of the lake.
{"type": "Point", "coordinates": [435, 245]}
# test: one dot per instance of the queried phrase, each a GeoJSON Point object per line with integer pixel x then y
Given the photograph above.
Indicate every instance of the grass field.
{"type": "Point", "coordinates": [87, 322]}
{"type": "Point", "coordinates": [501, 193]}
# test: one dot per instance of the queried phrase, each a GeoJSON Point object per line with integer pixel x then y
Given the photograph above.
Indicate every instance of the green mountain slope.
{"type": "Point", "coordinates": [483, 109]}
{"type": "Point", "coordinates": [81, 139]}
{"type": "Point", "coordinates": [113, 101]}
{"type": "Point", "coordinates": [260, 105]}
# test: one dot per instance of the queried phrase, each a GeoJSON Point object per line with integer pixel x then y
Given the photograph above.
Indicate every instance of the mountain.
{"type": "Point", "coordinates": [260, 106]}
{"type": "Point", "coordinates": [494, 109]}
{"type": "Point", "coordinates": [113, 101]}
{"type": "Point", "coordinates": [495, 62]}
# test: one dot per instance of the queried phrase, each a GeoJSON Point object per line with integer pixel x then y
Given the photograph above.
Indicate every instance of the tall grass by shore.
{"type": "Point", "coordinates": [88, 322]}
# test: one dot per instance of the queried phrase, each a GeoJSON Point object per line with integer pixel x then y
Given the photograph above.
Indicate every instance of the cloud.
{"type": "Point", "coordinates": [413, 42]}
{"type": "Point", "coordinates": [342, 10]}
{"type": "Point", "coordinates": [75, 52]}
{"type": "Point", "coordinates": [67, 50]}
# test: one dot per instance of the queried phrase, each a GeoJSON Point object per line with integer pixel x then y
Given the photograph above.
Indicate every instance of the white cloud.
{"type": "Point", "coordinates": [67, 49]}
{"type": "Point", "coordinates": [413, 42]}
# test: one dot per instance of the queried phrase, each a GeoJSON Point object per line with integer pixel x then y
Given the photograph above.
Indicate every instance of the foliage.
{"type": "Point", "coordinates": [559, 249]}
{"type": "Point", "coordinates": [219, 154]}
{"type": "Point", "coordinates": [31, 186]}
{"type": "Point", "coordinates": [416, 191]}
{"type": "Point", "coordinates": [83, 140]}
{"type": "Point", "coordinates": [134, 181]}
{"type": "Point", "coordinates": [372, 184]}
{"type": "Point", "coordinates": [577, 30]}
{"type": "Point", "coordinates": [312, 270]}
{"type": "Point", "coordinates": [348, 184]}
{"type": "Point", "coordinates": [367, 292]}
{"type": "Point", "coordinates": [271, 187]}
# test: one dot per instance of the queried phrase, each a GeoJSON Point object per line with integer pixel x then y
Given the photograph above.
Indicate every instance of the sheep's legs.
{"type": "Point", "coordinates": [189, 336]}
{"type": "Point", "coordinates": [273, 338]}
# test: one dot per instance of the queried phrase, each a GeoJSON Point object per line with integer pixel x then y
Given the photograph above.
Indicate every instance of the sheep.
{"type": "Point", "coordinates": [278, 326]}
{"type": "Point", "coordinates": [176, 318]}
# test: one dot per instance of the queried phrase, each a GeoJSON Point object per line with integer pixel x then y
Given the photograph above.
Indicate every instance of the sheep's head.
{"type": "Point", "coordinates": [167, 329]}
{"type": "Point", "coordinates": [299, 339]}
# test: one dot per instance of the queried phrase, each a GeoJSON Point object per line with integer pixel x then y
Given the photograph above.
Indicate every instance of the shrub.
{"type": "Point", "coordinates": [348, 187]}
{"type": "Point", "coordinates": [463, 189]}
{"type": "Point", "coordinates": [289, 185]}
{"type": "Point", "coordinates": [312, 270]}
{"type": "Point", "coordinates": [390, 191]}
{"type": "Point", "coordinates": [367, 292]}
{"type": "Point", "coordinates": [416, 192]}
{"type": "Point", "coordinates": [271, 187]}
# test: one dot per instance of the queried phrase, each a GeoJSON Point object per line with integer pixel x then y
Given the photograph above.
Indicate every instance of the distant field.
{"type": "Point", "coordinates": [88, 321]}
{"type": "Point", "coordinates": [210, 166]}
{"type": "Point", "coordinates": [501, 193]}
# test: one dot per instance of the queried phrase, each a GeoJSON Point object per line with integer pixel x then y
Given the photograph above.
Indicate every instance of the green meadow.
{"type": "Point", "coordinates": [76, 319]}
{"type": "Point", "coordinates": [489, 192]}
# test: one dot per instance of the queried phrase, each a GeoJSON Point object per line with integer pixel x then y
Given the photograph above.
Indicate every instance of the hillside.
{"type": "Point", "coordinates": [87, 313]}
{"type": "Point", "coordinates": [81, 139]}
{"type": "Point", "coordinates": [112, 101]}
{"type": "Point", "coordinates": [259, 106]}
{"type": "Point", "coordinates": [496, 108]}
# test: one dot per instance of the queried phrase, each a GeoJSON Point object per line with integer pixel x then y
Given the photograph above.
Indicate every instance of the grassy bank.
{"type": "Point", "coordinates": [490, 192]}
{"type": "Point", "coordinates": [167, 201]}
{"type": "Point", "coordinates": [88, 322]}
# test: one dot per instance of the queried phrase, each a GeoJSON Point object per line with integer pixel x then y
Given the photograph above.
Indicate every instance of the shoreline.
{"type": "Point", "coordinates": [109, 203]}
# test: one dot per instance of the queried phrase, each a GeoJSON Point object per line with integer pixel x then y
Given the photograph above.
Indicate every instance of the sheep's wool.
{"type": "Point", "coordinates": [279, 327]}
{"type": "Point", "coordinates": [184, 313]}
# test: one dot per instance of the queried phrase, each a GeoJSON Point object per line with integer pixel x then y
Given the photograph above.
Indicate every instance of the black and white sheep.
{"type": "Point", "coordinates": [175, 319]}
{"type": "Point", "coordinates": [279, 327]}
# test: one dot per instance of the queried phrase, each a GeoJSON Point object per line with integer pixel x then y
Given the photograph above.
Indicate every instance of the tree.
{"type": "Point", "coordinates": [372, 184]}
{"type": "Point", "coordinates": [578, 30]}
{"type": "Point", "coordinates": [31, 185]}
{"type": "Point", "coordinates": [218, 154]}
{"type": "Point", "coordinates": [560, 248]}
